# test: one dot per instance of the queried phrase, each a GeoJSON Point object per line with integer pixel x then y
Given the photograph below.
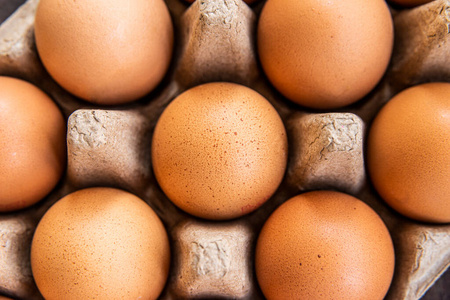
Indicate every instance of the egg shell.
{"type": "Point", "coordinates": [423, 253]}
{"type": "Point", "coordinates": [32, 139]}
{"type": "Point", "coordinates": [312, 54]}
{"type": "Point", "coordinates": [100, 243]}
{"type": "Point", "coordinates": [324, 245]}
{"type": "Point", "coordinates": [408, 157]}
{"type": "Point", "coordinates": [106, 52]}
{"type": "Point", "coordinates": [219, 150]}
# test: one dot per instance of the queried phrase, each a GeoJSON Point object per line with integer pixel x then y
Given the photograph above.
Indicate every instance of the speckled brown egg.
{"type": "Point", "coordinates": [219, 150]}
{"type": "Point", "coordinates": [100, 243]}
{"type": "Point", "coordinates": [324, 245]}
{"type": "Point", "coordinates": [33, 147]}
{"type": "Point", "coordinates": [408, 152]}
{"type": "Point", "coordinates": [105, 51]}
{"type": "Point", "coordinates": [325, 54]}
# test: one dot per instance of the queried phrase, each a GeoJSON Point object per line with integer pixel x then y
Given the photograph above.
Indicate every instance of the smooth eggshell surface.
{"type": "Point", "coordinates": [324, 245]}
{"type": "Point", "coordinates": [325, 54]}
{"type": "Point", "coordinates": [100, 243]}
{"type": "Point", "coordinates": [219, 150]}
{"type": "Point", "coordinates": [33, 147]}
{"type": "Point", "coordinates": [106, 52]}
{"type": "Point", "coordinates": [408, 152]}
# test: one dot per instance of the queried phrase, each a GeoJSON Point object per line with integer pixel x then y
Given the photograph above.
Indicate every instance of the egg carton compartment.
{"type": "Point", "coordinates": [215, 41]}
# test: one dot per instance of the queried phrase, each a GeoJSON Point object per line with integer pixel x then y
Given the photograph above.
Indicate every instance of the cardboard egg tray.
{"type": "Point", "coordinates": [215, 41]}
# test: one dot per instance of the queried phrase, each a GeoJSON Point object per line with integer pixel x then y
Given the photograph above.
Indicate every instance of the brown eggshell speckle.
{"type": "Point", "coordinates": [100, 243]}
{"type": "Point", "coordinates": [32, 139]}
{"type": "Point", "coordinates": [408, 152]}
{"type": "Point", "coordinates": [325, 54]}
{"type": "Point", "coordinates": [422, 250]}
{"type": "Point", "coordinates": [106, 52]}
{"type": "Point", "coordinates": [219, 150]}
{"type": "Point", "coordinates": [324, 245]}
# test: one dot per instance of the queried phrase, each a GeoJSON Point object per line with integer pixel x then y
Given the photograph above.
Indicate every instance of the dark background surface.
{"type": "Point", "coordinates": [439, 291]}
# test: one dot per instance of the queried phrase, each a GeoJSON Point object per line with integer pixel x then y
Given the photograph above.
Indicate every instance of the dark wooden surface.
{"type": "Point", "coordinates": [439, 291]}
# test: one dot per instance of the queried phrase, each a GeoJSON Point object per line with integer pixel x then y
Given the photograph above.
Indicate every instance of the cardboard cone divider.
{"type": "Point", "coordinates": [215, 41]}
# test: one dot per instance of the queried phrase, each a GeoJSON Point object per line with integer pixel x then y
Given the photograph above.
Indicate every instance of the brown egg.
{"type": "Point", "coordinates": [100, 243]}
{"type": "Point", "coordinates": [219, 150]}
{"type": "Point", "coordinates": [32, 139]}
{"type": "Point", "coordinates": [324, 245]}
{"type": "Point", "coordinates": [408, 152]}
{"type": "Point", "coordinates": [106, 52]}
{"type": "Point", "coordinates": [325, 54]}
{"type": "Point", "coordinates": [410, 3]}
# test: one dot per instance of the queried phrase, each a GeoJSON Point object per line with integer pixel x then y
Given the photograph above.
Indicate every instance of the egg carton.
{"type": "Point", "coordinates": [215, 41]}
